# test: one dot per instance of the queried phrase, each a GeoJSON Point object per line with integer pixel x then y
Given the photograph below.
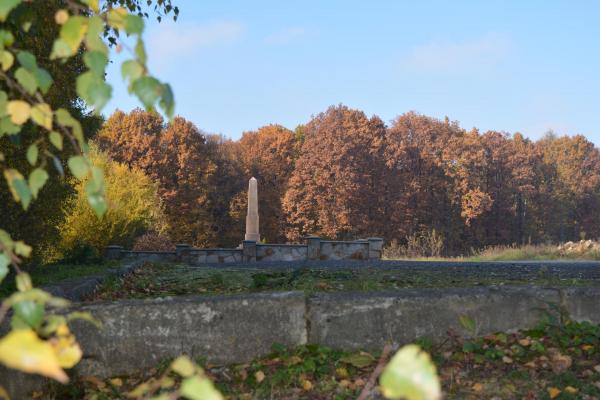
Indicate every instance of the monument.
{"type": "Point", "coordinates": [252, 216]}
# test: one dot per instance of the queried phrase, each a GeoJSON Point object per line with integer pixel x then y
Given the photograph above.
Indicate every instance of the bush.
{"type": "Point", "coordinates": [423, 244]}
{"type": "Point", "coordinates": [153, 241]}
{"type": "Point", "coordinates": [81, 253]}
{"type": "Point", "coordinates": [134, 208]}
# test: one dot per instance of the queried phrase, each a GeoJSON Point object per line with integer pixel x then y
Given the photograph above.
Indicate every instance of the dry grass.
{"type": "Point", "coordinates": [539, 252]}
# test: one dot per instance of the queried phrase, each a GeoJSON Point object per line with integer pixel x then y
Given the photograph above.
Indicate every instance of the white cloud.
{"type": "Point", "coordinates": [172, 40]}
{"type": "Point", "coordinates": [468, 56]}
{"type": "Point", "coordinates": [286, 36]}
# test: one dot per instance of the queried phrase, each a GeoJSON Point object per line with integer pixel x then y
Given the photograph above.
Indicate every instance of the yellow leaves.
{"type": "Point", "coordinates": [183, 366]}
{"type": "Point", "coordinates": [19, 111]}
{"type": "Point", "coordinates": [525, 342]}
{"type": "Point", "coordinates": [587, 347]}
{"type": "Point", "coordinates": [259, 376]}
{"type": "Point", "coordinates": [597, 368]}
{"type": "Point", "coordinates": [477, 387]}
{"type": "Point", "coordinates": [67, 350]}
{"type": "Point", "coordinates": [571, 390]}
{"type": "Point", "coordinates": [554, 392]}
{"type": "Point", "coordinates": [6, 60]}
{"type": "Point", "coordinates": [41, 114]}
{"type": "Point", "coordinates": [25, 351]}
{"type": "Point", "coordinates": [307, 385]}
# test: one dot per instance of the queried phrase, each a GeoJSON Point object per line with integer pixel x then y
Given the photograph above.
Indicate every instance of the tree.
{"type": "Point", "coordinates": [26, 103]}
{"type": "Point", "coordinates": [334, 189]}
{"type": "Point", "coordinates": [134, 208]}
{"type": "Point", "coordinates": [268, 154]}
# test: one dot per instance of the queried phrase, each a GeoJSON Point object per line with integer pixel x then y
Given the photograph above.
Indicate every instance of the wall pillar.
{"type": "Point", "coordinates": [113, 252]}
{"type": "Point", "coordinates": [182, 250]}
{"type": "Point", "coordinates": [313, 244]}
{"type": "Point", "coordinates": [249, 251]}
{"type": "Point", "coordinates": [375, 248]}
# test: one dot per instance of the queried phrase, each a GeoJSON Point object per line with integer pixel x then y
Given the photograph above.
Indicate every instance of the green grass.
{"type": "Point", "coordinates": [161, 280]}
{"type": "Point", "coordinates": [53, 273]}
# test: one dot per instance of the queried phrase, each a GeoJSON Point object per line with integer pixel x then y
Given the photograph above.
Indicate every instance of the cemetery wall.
{"type": "Point", "coordinates": [314, 248]}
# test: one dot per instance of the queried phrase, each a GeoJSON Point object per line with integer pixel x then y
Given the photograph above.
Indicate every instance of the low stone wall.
{"type": "Point", "coordinates": [140, 333]}
{"type": "Point", "coordinates": [251, 251]}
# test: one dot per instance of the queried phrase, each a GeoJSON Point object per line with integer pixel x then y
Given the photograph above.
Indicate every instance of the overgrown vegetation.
{"type": "Point", "coordinates": [554, 360]}
{"type": "Point", "coordinates": [159, 280]}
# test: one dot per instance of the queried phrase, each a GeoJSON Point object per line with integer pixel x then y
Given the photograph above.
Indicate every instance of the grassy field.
{"type": "Point", "coordinates": [552, 361]}
{"type": "Point", "coordinates": [160, 280]}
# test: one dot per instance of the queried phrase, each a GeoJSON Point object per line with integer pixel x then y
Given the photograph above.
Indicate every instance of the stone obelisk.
{"type": "Point", "coordinates": [252, 216]}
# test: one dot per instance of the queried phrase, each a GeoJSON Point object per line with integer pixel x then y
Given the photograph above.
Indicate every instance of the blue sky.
{"type": "Point", "coordinates": [525, 66]}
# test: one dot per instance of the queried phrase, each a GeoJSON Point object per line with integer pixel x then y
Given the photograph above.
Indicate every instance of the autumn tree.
{"type": "Point", "coordinates": [335, 189]}
{"type": "Point", "coordinates": [268, 154]}
{"type": "Point", "coordinates": [419, 191]}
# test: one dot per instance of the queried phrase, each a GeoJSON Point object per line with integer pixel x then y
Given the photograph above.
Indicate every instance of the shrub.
{"type": "Point", "coordinates": [134, 208]}
{"type": "Point", "coordinates": [153, 241]}
{"type": "Point", "coordinates": [422, 244]}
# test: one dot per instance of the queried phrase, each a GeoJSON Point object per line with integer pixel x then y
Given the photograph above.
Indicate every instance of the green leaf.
{"type": "Point", "coordinates": [96, 200]}
{"type": "Point", "coordinates": [41, 114]}
{"type": "Point", "coordinates": [64, 118]}
{"type": "Point", "coordinates": [132, 70]}
{"type": "Point", "coordinates": [134, 24]}
{"type": "Point", "coordinates": [6, 38]}
{"type": "Point", "coordinates": [96, 61]}
{"type": "Point", "coordinates": [26, 79]}
{"type": "Point", "coordinates": [60, 49]}
{"type": "Point", "coordinates": [93, 90]}
{"type": "Point", "coordinates": [93, 38]}
{"type": "Point", "coordinates": [6, 7]}
{"type": "Point", "coordinates": [467, 323]}
{"type": "Point", "coordinates": [32, 154]}
{"type": "Point", "coordinates": [4, 263]}
{"type": "Point", "coordinates": [78, 166]}
{"type": "Point", "coordinates": [37, 180]}
{"type": "Point", "coordinates": [140, 51]}
{"type": "Point", "coordinates": [148, 90]}
{"type": "Point", "coordinates": [27, 60]}
{"type": "Point", "coordinates": [410, 375]}
{"type": "Point", "coordinates": [23, 281]}
{"type": "Point", "coordinates": [6, 59]}
{"type": "Point", "coordinates": [196, 388]}
{"type": "Point", "coordinates": [43, 78]}
{"type": "Point", "coordinates": [22, 249]}
{"type": "Point", "coordinates": [6, 126]}
{"type": "Point", "coordinates": [30, 312]}
{"type": "Point", "coordinates": [56, 139]}
{"type": "Point", "coordinates": [3, 103]}
{"type": "Point", "coordinates": [18, 187]}
{"type": "Point", "coordinates": [167, 101]}
{"type": "Point", "coordinates": [358, 360]}
{"type": "Point", "coordinates": [183, 366]}
{"type": "Point", "coordinates": [73, 31]}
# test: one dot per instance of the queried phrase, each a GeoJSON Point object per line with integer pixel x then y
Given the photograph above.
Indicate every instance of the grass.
{"type": "Point", "coordinates": [553, 360]}
{"type": "Point", "coordinates": [529, 252]}
{"type": "Point", "coordinates": [53, 273]}
{"type": "Point", "coordinates": [161, 280]}
{"type": "Point", "coordinates": [540, 252]}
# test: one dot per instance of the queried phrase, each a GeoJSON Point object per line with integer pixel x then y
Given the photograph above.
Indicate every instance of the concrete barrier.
{"type": "Point", "coordinates": [225, 329]}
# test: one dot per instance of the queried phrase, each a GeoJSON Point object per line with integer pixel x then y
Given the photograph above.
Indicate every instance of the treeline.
{"type": "Point", "coordinates": [344, 175]}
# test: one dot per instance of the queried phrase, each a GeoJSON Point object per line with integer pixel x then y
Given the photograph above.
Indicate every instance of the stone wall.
{"type": "Point", "coordinates": [251, 251]}
{"type": "Point", "coordinates": [225, 329]}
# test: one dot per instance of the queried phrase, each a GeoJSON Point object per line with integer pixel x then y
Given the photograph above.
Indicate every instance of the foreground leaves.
{"type": "Point", "coordinates": [411, 375]}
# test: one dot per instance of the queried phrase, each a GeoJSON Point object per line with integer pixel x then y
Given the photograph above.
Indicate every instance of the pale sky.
{"type": "Point", "coordinates": [525, 66]}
